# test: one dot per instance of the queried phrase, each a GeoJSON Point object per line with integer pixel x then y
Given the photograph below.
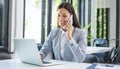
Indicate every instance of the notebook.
{"type": "Point", "coordinates": [28, 52]}
{"type": "Point", "coordinates": [101, 66]}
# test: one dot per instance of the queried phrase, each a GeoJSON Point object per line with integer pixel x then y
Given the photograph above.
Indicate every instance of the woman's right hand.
{"type": "Point", "coordinates": [41, 56]}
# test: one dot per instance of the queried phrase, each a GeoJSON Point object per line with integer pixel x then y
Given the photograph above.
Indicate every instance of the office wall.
{"type": "Point", "coordinates": [112, 23]}
{"type": "Point", "coordinates": [112, 29]}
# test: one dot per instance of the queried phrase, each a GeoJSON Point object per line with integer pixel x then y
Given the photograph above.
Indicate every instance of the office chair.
{"type": "Point", "coordinates": [115, 56]}
{"type": "Point", "coordinates": [91, 59]}
{"type": "Point", "coordinates": [109, 56]}
{"type": "Point", "coordinates": [4, 55]}
{"type": "Point", "coordinates": [100, 42]}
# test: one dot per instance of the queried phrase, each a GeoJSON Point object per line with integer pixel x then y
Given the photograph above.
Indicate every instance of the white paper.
{"type": "Point", "coordinates": [105, 66]}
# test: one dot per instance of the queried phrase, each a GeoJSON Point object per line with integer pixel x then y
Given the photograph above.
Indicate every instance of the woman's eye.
{"type": "Point", "coordinates": [64, 16]}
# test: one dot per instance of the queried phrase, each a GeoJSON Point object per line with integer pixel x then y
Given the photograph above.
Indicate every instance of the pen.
{"type": "Point", "coordinates": [108, 65]}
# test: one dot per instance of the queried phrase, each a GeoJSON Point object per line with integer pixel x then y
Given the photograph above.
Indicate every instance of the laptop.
{"type": "Point", "coordinates": [28, 52]}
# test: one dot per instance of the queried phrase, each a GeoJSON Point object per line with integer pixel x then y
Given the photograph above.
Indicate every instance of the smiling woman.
{"type": "Point", "coordinates": [67, 41]}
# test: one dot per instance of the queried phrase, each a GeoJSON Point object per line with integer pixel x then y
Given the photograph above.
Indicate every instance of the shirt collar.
{"type": "Point", "coordinates": [62, 31]}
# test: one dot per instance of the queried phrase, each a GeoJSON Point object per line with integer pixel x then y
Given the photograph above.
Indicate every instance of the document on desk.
{"type": "Point", "coordinates": [103, 66]}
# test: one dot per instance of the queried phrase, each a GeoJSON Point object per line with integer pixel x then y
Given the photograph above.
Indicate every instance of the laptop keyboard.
{"type": "Point", "coordinates": [46, 62]}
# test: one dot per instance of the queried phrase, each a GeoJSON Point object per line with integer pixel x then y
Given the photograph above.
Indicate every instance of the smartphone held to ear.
{"type": "Point", "coordinates": [71, 19]}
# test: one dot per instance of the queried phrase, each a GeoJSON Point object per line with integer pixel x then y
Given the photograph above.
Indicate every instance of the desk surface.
{"type": "Point", "coordinates": [17, 64]}
{"type": "Point", "coordinates": [91, 50]}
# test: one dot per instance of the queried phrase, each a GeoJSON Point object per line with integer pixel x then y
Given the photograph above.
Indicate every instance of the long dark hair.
{"type": "Point", "coordinates": [71, 10]}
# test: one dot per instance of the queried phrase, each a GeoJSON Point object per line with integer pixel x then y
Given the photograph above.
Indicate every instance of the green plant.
{"type": "Point", "coordinates": [89, 36]}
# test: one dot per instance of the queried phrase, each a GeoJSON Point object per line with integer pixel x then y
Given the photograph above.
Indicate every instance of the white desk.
{"type": "Point", "coordinates": [91, 50]}
{"type": "Point", "coordinates": [17, 64]}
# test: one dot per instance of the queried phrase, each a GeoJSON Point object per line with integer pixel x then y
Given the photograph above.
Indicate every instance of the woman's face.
{"type": "Point", "coordinates": [63, 18]}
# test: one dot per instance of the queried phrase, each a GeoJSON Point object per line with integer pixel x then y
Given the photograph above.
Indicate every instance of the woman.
{"type": "Point", "coordinates": [68, 41]}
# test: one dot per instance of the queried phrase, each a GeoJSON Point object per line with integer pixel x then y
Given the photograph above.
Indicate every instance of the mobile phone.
{"type": "Point", "coordinates": [71, 19]}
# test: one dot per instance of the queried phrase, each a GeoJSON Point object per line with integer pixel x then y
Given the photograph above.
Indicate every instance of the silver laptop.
{"type": "Point", "coordinates": [28, 52]}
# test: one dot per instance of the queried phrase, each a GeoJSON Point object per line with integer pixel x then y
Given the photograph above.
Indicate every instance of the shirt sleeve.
{"type": "Point", "coordinates": [47, 46]}
{"type": "Point", "coordinates": [78, 48]}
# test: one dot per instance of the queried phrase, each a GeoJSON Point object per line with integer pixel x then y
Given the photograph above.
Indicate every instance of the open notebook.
{"type": "Point", "coordinates": [28, 52]}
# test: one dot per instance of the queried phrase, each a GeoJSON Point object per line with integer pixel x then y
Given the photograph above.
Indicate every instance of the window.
{"type": "Point", "coordinates": [33, 19]}
{"type": "Point", "coordinates": [39, 18]}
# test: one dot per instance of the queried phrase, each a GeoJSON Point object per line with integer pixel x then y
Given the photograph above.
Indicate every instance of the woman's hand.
{"type": "Point", "coordinates": [70, 30]}
{"type": "Point", "coordinates": [41, 56]}
{"type": "Point", "coordinates": [67, 26]}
